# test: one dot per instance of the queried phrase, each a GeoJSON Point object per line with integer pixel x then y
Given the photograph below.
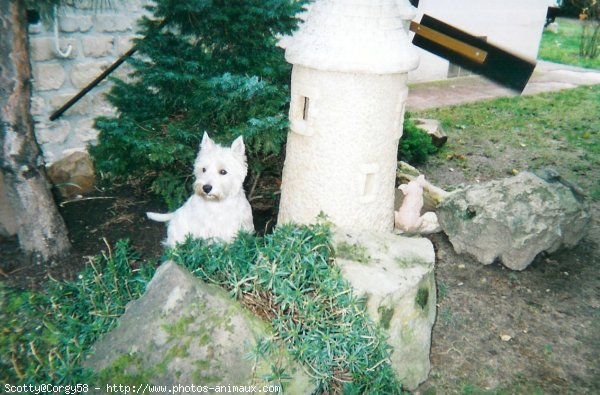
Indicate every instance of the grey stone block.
{"type": "Point", "coordinates": [514, 219]}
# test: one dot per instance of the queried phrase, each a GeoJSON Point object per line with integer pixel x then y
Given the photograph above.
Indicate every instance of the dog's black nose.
{"type": "Point", "coordinates": [207, 188]}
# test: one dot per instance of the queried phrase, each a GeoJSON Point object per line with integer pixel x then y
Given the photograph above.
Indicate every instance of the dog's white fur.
{"type": "Point", "coordinates": [218, 208]}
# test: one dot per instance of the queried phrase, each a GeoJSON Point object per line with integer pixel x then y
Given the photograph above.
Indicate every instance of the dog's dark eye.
{"type": "Point", "coordinates": [223, 172]}
{"type": "Point", "coordinates": [204, 170]}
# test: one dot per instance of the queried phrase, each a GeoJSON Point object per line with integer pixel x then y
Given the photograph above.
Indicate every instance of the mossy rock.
{"type": "Point", "coordinates": [395, 276]}
{"type": "Point", "coordinates": [184, 331]}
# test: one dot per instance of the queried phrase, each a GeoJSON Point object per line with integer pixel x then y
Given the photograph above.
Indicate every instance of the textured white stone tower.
{"type": "Point", "coordinates": [350, 63]}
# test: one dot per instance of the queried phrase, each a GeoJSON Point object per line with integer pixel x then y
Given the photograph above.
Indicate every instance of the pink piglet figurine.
{"type": "Point", "coordinates": [408, 218]}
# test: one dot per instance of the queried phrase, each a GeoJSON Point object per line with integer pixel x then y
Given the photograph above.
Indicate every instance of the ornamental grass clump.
{"type": "Point", "coordinates": [45, 336]}
{"type": "Point", "coordinates": [288, 278]}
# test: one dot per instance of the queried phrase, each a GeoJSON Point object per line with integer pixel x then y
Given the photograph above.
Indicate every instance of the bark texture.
{"type": "Point", "coordinates": [41, 230]}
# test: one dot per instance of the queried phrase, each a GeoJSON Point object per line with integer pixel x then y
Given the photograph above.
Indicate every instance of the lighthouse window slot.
{"type": "Point", "coordinates": [304, 109]}
{"type": "Point", "coordinates": [369, 188]}
{"type": "Point", "coordinates": [305, 101]}
{"type": "Point", "coordinates": [368, 182]}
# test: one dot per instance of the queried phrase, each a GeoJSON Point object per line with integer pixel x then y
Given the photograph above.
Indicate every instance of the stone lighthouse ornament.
{"type": "Point", "coordinates": [348, 91]}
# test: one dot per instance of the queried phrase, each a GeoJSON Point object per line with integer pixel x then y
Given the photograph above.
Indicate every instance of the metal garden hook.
{"type": "Point", "coordinates": [66, 53]}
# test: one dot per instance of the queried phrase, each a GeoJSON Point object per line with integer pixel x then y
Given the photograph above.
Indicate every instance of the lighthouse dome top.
{"type": "Point", "coordinates": [363, 36]}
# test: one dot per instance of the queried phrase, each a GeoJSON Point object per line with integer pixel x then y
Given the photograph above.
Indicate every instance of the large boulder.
{"type": "Point", "coordinates": [395, 274]}
{"type": "Point", "coordinates": [515, 219]}
{"type": "Point", "coordinates": [184, 332]}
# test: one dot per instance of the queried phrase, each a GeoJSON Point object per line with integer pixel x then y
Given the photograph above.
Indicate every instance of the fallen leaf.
{"type": "Point", "coordinates": [460, 157]}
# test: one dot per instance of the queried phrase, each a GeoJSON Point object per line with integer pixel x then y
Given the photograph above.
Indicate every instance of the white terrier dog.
{"type": "Point", "coordinates": [218, 208]}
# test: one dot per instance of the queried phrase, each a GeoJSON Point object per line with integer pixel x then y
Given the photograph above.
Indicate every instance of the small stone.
{"type": "Point", "coordinates": [55, 134]}
{"type": "Point", "coordinates": [35, 28]}
{"type": "Point", "coordinates": [84, 73]}
{"type": "Point", "coordinates": [48, 76]}
{"type": "Point", "coordinates": [505, 338]}
{"type": "Point", "coordinates": [112, 23]}
{"type": "Point", "coordinates": [98, 46]}
{"type": "Point", "coordinates": [85, 132]}
{"type": "Point", "coordinates": [73, 174]}
{"type": "Point", "coordinates": [434, 129]}
{"type": "Point", "coordinates": [43, 48]}
{"type": "Point", "coordinates": [38, 105]}
{"type": "Point", "coordinates": [124, 44]}
{"type": "Point", "coordinates": [553, 27]}
{"type": "Point", "coordinates": [75, 23]}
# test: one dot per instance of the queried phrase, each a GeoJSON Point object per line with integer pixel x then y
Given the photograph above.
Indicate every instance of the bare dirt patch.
{"type": "Point", "coordinates": [536, 331]}
{"type": "Point", "coordinates": [95, 223]}
{"type": "Point", "coordinates": [501, 331]}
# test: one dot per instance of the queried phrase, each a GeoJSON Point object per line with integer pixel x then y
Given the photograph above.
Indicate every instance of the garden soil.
{"type": "Point", "coordinates": [535, 331]}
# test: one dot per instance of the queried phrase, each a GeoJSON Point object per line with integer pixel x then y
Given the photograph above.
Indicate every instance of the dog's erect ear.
{"type": "Point", "coordinates": [238, 146]}
{"type": "Point", "coordinates": [207, 142]}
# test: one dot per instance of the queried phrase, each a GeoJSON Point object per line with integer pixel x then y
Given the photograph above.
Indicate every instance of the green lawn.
{"type": "Point", "coordinates": [563, 47]}
{"type": "Point", "coordinates": [496, 138]}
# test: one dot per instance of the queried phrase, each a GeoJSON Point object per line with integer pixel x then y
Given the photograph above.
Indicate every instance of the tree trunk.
{"type": "Point", "coordinates": [41, 230]}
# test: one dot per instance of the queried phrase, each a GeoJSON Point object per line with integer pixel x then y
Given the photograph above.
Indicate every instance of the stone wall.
{"type": "Point", "coordinates": [98, 37]}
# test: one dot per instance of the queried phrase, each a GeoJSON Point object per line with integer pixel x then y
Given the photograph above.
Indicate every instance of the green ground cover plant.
{"type": "Point", "coordinates": [564, 46]}
{"type": "Point", "coordinates": [45, 336]}
{"type": "Point", "coordinates": [311, 307]}
{"type": "Point", "coordinates": [286, 277]}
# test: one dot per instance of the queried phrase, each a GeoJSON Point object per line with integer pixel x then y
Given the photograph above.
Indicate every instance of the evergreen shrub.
{"type": "Point", "coordinates": [415, 145]}
{"type": "Point", "coordinates": [202, 66]}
